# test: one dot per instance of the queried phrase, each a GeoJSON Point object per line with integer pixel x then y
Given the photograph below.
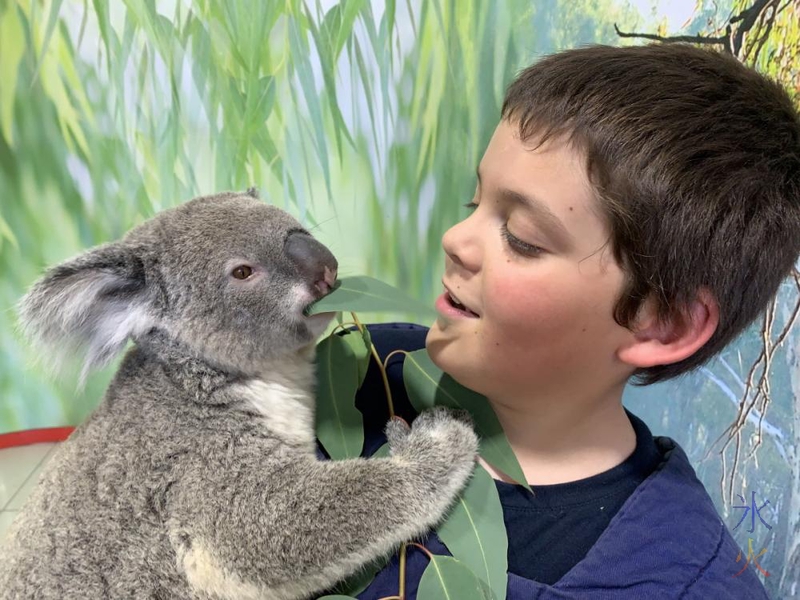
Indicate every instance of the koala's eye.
{"type": "Point", "coordinates": [242, 272]}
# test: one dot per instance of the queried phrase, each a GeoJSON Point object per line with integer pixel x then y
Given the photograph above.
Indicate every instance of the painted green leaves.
{"type": "Point", "coordinates": [366, 294]}
{"type": "Point", "coordinates": [428, 386]}
{"type": "Point", "coordinates": [475, 533]}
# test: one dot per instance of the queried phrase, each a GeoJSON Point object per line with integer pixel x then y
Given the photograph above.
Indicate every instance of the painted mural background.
{"type": "Point", "coordinates": [366, 120]}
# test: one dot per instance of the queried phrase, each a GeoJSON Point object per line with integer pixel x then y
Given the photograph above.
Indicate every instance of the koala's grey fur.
{"type": "Point", "coordinates": [197, 475]}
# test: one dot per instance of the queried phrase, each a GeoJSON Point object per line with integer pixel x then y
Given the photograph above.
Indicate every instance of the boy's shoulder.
{"type": "Point", "coordinates": [667, 540]}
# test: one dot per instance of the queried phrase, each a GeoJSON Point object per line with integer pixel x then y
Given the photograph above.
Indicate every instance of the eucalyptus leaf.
{"type": "Point", "coordinates": [429, 386]}
{"type": "Point", "coordinates": [475, 532]}
{"type": "Point", "coordinates": [382, 452]}
{"type": "Point", "coordinates": [446, 578]}
{"type": "Point", "coordinates": [337, 597]}
{"type": "Point", "coordinates": [339, 424]}
{"type": "Point", "coordinates": [367, 294]}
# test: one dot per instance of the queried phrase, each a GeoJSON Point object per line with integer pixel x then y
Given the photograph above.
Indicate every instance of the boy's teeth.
{"type": "Point", "coordinates": [456, 302]}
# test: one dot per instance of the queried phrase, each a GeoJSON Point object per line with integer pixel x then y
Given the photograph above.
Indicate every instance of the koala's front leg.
{"type": "Point", "coordinates": [323, 520]}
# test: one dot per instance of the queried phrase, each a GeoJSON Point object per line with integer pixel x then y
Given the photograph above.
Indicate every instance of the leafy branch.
{"type": "Point", "coordinates": [474, 530]}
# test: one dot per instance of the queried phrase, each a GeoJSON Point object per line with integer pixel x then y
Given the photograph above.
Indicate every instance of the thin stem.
{"type": "Point", "coordinates": [343, 325]}
{"type": "Point", "coordinates": [390, 355]}
{"type": "Point", "coordinates": [377, 358]}
{"type": "Point", "coordinates": [402, 584]}
{"type": "Point", "coordinates": [423, 548]}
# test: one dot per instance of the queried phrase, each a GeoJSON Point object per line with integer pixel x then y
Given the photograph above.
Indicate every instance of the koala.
{"type": "Point", "coordinates": [198, 476]}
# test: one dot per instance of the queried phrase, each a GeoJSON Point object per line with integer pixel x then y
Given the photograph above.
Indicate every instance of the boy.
{"type": "Point", "coordinates": [635, 210]}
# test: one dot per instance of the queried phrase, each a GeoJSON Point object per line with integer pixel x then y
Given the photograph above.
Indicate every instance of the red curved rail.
{"type": "Point", "coordinates": [34, 436]}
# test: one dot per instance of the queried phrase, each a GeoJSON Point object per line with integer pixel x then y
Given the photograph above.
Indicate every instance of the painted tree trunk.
{"type": "Point", "coordinates": [790, 579]}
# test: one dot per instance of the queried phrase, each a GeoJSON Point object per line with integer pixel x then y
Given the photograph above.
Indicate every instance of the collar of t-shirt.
{"type": "Point", "coordinates": [632, 471]}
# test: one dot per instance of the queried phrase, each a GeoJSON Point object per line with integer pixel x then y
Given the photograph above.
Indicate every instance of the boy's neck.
{"type": "Point", "coordinates": [558, 441]}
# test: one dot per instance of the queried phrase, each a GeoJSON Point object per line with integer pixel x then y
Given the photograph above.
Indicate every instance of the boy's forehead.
{"type": "Point", "coordinates": [558, 154]}
{"type": "Point", "coordinates": [549, 171]}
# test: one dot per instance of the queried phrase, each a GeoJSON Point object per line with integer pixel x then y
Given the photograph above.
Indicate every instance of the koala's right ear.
{"type": "Point", "coordinates": [90, 304]}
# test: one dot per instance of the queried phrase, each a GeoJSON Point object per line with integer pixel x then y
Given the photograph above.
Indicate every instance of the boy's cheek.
{"type": "Point", "coordinates": [520, 311]}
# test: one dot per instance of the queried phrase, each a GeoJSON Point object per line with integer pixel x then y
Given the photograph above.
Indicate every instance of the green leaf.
{"type": "Point", "coordinates": [12, 47]}
{"type": "Point", "coordinates": [382, 452]}
{"type": "Point", "coordinates": [104, 23]}
{"type": "Point", "coordinates": [475, 532]}
{"type": "Point", "coordinates": [366, 294]}
{"type": "Point", "coordinates": [446, 578]}
{"type": "Point", "coordinates": [340, 426]}
{"type": "Point", "coordinates": [428, 386]}
{"type": "Point", "coordinates": [305, 76]}
{"type": "Point", "coordinates": [336, 597]}
{"type": "Point", "coordinates": [52, 18]}
{"type": "Point", "coordinates": [328, 49]}
{"type": "Point", "coordinates": [5, 232]}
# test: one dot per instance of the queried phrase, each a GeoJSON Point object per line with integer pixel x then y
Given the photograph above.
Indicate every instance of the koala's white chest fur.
{"type": "Point", "coordinates": [285, 400]}
{"type": "Point", "coordinates": [204, 572]}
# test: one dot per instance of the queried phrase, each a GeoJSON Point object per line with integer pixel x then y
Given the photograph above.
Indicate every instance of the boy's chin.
{"type": "Point", "coordinates": [448, 352]}
{"type": "Point", "coordinates": [439, 344]}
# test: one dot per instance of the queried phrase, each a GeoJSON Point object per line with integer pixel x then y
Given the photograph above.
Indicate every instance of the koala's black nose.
{"type": "Point", "coordinates": [313, 260]}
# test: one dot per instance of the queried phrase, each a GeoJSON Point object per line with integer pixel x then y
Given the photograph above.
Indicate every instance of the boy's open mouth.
{"type": "Point", "coordinates": [454, 303]}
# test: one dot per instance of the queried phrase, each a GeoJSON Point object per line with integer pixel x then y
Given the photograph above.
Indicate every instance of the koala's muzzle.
{"type": "Point", "coordinates": [315, 263]}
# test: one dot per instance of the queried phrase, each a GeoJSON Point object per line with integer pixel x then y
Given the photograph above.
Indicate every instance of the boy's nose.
{"type": "Point", "coordinates": [460, 244]}
{"type": "Point", "coordinates": [313, 260]}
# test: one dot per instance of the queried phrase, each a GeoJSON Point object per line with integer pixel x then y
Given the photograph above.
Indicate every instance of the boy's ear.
{"type": "Point", "coordinates": [89, 305]}
{"type": "Point", "coordinates": [655, 342]}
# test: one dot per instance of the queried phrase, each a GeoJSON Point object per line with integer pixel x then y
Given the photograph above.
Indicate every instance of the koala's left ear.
{"type": "Point", "coordinates": [90, 304]}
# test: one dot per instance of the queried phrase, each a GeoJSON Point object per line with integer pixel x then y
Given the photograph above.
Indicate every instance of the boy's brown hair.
{"type": "Point", "coordinates": [695, 160]}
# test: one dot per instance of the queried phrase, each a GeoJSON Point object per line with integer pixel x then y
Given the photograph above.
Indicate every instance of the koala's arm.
{"type": "Point", "coordinates": [315, 522]}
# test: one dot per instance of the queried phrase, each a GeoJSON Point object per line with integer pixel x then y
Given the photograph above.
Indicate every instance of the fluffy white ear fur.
{"type": "Point", "coordinates": [90, 307]}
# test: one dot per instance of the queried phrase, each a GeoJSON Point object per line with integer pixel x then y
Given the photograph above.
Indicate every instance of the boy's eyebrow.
{"type": "Point", "coordinates": [547, 220]}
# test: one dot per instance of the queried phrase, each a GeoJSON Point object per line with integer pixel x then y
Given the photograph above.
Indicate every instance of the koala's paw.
{"type": "Point", "coordinates": [397, 430]}
{"type": "Point", "coordinates": [441, 440]}
{"type": "Point", "coordinates": [440, 417]}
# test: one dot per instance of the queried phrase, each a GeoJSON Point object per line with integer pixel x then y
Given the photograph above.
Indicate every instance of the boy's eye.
{"type": "Point", "coordinates": [517, 245]}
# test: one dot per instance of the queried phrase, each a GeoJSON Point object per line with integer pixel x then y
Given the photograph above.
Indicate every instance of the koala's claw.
{"type": "Point", "coordinates": [396, 430]}
{"type": "Point", "coordinates": [436, 415]}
